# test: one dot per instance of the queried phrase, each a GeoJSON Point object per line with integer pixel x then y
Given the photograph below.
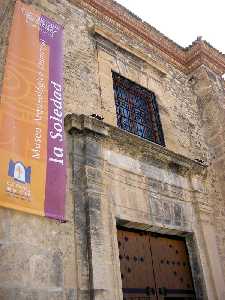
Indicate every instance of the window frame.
{"type": "Point", "coordinates": [137, 109]}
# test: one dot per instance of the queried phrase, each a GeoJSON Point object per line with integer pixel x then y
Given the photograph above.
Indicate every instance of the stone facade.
{"type": "Point", "coordinates": [116, 178]}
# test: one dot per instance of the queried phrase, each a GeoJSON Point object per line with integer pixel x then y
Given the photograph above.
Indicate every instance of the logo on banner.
{"type": "Point", "coordinates": [19, 172]}
{"type": "Point", "coordinates": [19, 184]}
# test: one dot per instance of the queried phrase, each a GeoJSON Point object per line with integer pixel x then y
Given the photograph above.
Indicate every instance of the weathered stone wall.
{"type": "Point", "coordinates": [127, 181]}
{"type": "Point", "coordinates": [151, 194]}
{"type": "Point", "coordinates": [211, 101]}
{"type": "Point", "coordinates": [110, 178]}
{"type": "Point", "coordinates": [177, 102]}
{"type": "Point", "coordinates": [6, 12]}
{"type": "Point", "coordinates": [88, 80]}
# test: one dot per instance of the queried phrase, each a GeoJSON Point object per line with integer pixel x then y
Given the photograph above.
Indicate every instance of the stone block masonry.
{"type": "Point", "coordinates": [114, 177]}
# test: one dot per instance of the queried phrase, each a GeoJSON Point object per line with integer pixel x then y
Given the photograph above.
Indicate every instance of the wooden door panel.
{"type": "Point", "coordinates": [136, 265]}
{"type": "Point", "coordinates": [171, 267]}
{"type": "Point", "coordinates": [154, 267]}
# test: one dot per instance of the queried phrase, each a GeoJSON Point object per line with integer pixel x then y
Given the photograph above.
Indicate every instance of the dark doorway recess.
{"type": "Point", "coordinates": [154, 267]}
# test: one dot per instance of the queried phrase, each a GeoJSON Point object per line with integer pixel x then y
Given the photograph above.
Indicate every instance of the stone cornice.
{"type": "Point", "coordinates": [133, 145]}
{"type": "Point", "coordinates": [85, 123]}
{"type": "Point", "coordinates": [201, 53]}
{"type": "Point", "coordinates": [185, 59]}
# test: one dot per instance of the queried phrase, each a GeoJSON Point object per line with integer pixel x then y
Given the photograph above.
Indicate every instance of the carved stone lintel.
{"type": "Point", "coordinates": [103, 38]}
{"type": "Point", "coordinates": [129, 143]}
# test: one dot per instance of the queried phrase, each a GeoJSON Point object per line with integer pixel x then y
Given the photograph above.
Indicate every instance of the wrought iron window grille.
{"type": "Point", "coordinates": [137, 110]}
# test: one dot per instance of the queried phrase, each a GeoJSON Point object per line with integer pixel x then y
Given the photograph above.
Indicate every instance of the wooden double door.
{"type": "Point", "coordinates": [154, 267]}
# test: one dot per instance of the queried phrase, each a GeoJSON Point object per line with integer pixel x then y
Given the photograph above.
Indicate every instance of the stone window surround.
{"type": "Point", "coordinates": [135, 61]}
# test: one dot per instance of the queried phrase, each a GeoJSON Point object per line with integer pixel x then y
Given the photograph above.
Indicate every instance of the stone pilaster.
{"type": "Point", "coordinates": [90, 210]}
{"type": "Point", "coordinates": [209, 89]}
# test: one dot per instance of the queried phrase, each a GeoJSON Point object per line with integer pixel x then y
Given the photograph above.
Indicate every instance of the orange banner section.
{"type": "Point", "coordinates": [24, 115]}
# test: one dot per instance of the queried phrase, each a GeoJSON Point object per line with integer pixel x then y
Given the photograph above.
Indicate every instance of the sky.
{"type": "Point", "coordinates": [182, 20]}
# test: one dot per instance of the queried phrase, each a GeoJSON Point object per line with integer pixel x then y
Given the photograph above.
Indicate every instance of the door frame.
{"type": "Point", "coordinates": [191, 246]}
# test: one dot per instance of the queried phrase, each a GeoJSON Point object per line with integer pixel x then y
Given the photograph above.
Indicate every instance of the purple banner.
{"type": "Point", "coordinates": [52, 34]}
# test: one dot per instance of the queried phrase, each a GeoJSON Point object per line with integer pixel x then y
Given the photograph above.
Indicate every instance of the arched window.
{"type": "Point", "coordinates": [137, 110]}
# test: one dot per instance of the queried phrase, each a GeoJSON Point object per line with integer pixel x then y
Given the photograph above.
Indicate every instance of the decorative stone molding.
{"type": "Point", "coordinates": [162, 70]}
{"type": "Point", "coordinates": [186, 59]}
{"type": "Point", "coordinates": [82, 123]}
{"type": "Point", "coordinates": [147, 150]}
{"type": "Point", "coordinates": [134, 145]}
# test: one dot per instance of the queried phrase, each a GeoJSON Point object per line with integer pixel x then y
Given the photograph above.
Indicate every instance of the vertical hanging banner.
{"type": "Point", "coordinates": [32, 150]}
